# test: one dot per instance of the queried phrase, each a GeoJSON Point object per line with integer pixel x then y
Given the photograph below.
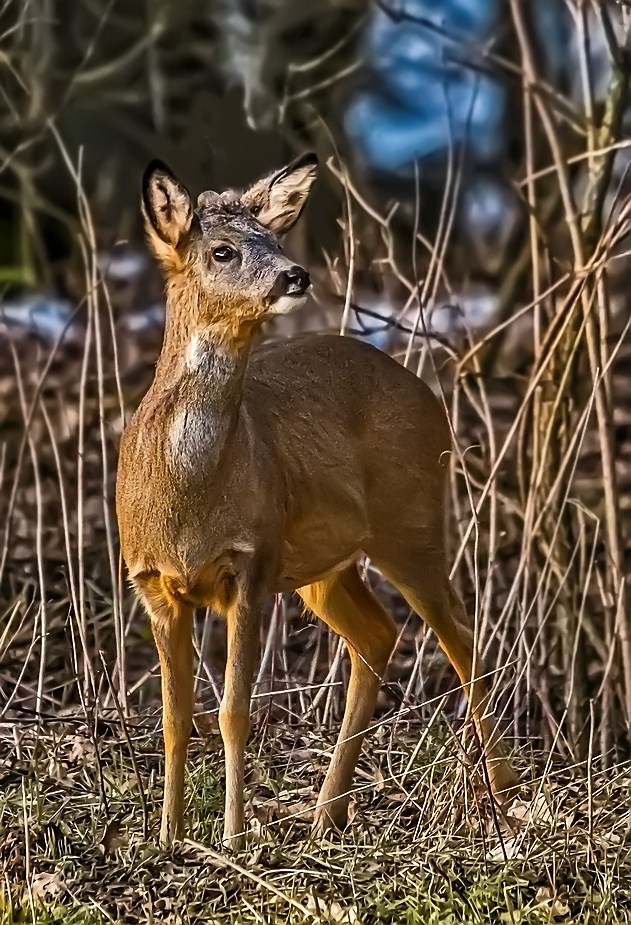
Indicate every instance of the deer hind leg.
{"type": "Point", "coordinates": [345, 603]}
{"type": "Point", "coordinates": [172, 624]}
{"type": "Point", "coordinates": [440, 606]}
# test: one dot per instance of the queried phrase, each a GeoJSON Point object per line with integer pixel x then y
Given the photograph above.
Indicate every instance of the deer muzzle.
{"type": "Point", "coordinates": [289, 288]}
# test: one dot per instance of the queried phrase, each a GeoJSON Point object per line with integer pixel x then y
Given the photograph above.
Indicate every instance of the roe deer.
{"type": "Point", "coordinates": [246, 473]}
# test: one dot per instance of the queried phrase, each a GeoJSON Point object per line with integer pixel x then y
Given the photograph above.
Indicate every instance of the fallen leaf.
{"type": "Point", "coordinates": [554, 904]}
{"type": "Point", "coordinates": [535, 810]}
{"type": "Point", "coordinates": [508, 848]}
{"type": "Point", "coordinates": [45, 885]}
{"type": "Point", "coordinates": [331, 912]}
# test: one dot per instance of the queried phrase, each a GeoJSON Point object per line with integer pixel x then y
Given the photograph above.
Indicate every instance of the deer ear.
{"type": "Point", "coordinates": [277, 201]}
{"type": "Point", "coordinates": [167, 208]}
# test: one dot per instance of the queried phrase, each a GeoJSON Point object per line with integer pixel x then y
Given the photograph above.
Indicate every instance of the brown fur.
{"type": "Point", "coordinates": [250, 472]}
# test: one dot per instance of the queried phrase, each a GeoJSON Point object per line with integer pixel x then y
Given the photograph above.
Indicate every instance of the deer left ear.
{"type": "Point", "coordinates": [277, 201]}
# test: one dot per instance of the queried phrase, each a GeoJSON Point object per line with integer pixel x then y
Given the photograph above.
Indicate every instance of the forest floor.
{"type": "Point", "coordinates": [423, 844]}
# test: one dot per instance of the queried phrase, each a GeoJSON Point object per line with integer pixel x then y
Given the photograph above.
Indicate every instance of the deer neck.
{"type": "Point", "coordinates": [209, 356]}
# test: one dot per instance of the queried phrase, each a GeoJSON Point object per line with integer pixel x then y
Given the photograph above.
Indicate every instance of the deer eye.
{"type": "Point", "coordinates": [223, 253]}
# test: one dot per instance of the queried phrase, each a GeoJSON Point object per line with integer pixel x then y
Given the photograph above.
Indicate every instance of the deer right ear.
{"type": "Point", "coordinates": [167, 208]}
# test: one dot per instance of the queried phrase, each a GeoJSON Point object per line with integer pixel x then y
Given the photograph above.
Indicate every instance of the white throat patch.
{"type": "Point", "coordinates": [287, 303]}
{"type": "Point", "coordinates": [197, 352]}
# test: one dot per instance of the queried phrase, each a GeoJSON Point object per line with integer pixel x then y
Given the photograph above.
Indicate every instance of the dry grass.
{"type": "Point", "coordinates": [422, 846]}
{"type": "Point", "coordinates": [539, 529]}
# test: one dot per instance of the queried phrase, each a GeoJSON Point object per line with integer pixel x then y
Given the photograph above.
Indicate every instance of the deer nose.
{"type": "Point", "coordinates": [295, 281]}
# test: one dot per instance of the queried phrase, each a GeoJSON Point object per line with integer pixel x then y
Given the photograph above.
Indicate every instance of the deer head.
{"type": "Point", "coordinates": [222, 257]}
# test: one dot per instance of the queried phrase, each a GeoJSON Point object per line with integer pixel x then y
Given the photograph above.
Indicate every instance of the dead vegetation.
{"type": "Point", "coordinates": [541, 493]}
{"type": "Point", "coordinates": [413, 853]}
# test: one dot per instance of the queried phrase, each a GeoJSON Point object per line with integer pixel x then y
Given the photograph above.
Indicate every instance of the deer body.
{"type": "Point", "coordinates": [249, 472]}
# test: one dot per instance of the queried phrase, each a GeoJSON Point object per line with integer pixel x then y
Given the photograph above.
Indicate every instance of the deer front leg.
{"type": "Point", "coordinates": [172, 625]}
{"type": "Point", "coordinates": [234, 712]}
